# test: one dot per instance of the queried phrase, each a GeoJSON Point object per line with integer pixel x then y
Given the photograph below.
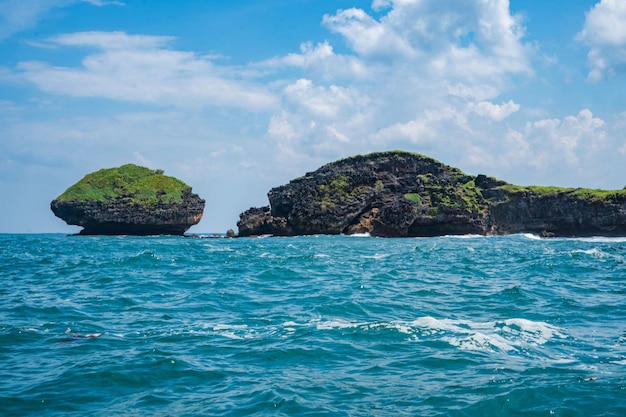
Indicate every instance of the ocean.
{"type": "Point", "coordinates": [312, 326]}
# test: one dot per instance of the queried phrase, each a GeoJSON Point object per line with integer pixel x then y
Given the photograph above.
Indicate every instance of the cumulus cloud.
{"type": "Point", "coordinates": [562, 149]}
{"type": "Point", "coordinates": [316, 119]}
{"type": "Point", "coordinates": [467, 40]}
{"type": "Point", "coordinates": [605, 33]}
{"type": "Point", "coordinates": [320, 59]}
{"type": "Point", "coordinates": [142, 69]}
{"type": "Point", "coordinates": [321, 102]}
{"type": "Point", "coordinates": [424, 73]}
{"type": "Point", "coordinates": [494, 111]}
{"type": "Point", "coordinates": [561, 140]}
{"type": "Point", "coordinates": [369, 37]}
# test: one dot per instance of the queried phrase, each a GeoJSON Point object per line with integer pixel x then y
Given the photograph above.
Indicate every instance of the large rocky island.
{"type": "Point", "coordinates": [129, 200]}
{"type": "Point", "coordinates": [401, 194]}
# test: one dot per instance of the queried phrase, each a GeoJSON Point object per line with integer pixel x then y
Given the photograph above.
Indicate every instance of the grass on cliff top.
{"type": "Point", "coordinates": [582, 193]}
{"type": "Point", "coordinates": [139, 184]}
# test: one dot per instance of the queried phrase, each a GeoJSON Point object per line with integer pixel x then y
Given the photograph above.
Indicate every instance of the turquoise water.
{"type": "Point", "coordinates": [317, 325]}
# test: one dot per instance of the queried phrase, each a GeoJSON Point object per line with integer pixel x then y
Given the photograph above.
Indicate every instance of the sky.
{"type": "Point", "coordinates": [236, 97]}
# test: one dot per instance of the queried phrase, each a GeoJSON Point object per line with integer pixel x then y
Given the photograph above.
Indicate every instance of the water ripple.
{"type": "Point", "coordinates": [316, 325]}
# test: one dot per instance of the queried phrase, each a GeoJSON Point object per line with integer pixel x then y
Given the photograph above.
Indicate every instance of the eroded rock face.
{"type": "Point", "coordinates": [259, 221]}
{"type": "Point", "coordinates": [560, 214]}
{"type": "Point", "coordinates": [119, 217]}
{"type": "Point", "coordinates": [384, 194]}
{"type": "Point", "coordinates": [397, 194]}
{"type": "Point", "coordinates": [129, 200]}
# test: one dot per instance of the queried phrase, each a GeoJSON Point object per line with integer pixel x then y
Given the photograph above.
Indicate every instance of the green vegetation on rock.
{"type": "Point", "coordinates": [139, 185]}
{"type": "Point", "coordinates": [413, 197]}
{"type": "Point", "coordinates": [588, 194]}
{"type": "Point", "coordinates": [472, 197]}
{"type": "Point", "coordinates": [598, 195]}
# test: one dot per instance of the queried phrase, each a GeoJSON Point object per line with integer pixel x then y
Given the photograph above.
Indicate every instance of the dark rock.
{"type": "Point", "coordinates": [129, 200]}
{"type": "Point", "coordinates": [396, 194]}
{"type": "Point", "coordinates": [259, 221]}
{"type": "Point", "coordinates": [561, 213]}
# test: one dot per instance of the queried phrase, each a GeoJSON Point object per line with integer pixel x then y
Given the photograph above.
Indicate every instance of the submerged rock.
{"type": "Point", "coordinates": [129, 200]}
{"type": "Point", "coordinates": [397, 194]}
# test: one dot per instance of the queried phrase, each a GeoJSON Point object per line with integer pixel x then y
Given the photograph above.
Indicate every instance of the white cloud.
{"type": "Point", "coordinates": [141, 69]}
{"type": "Point", "coordinates": [367, 36]}
{"type": "Point", "coordinates": [565, 150]}
{"type": "Point", "coordinates": [321, 102]}
{"type": "Point", "coordinates": [466, 40]}
{"type": "Point", "coordinates": [19, 15]}
{"type": "Point", "coordinates": [415, 131]}
{"type": "Point", "coordinates": [111, 40]}
{"type": "Point", "coordinates": [494, 111]}
{"type": "Point", "coordinates": [141, 160]}
{"type": "Point", "coordinates": [605, 32]}
{"type": "Point", "coordinates": [322, 60]}
{"type": "Point", "coordinates": [413, 76]}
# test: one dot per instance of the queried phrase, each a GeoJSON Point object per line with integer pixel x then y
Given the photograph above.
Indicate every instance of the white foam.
{"type": "Point", "coordinates": [366, 234]}
{"type": "Point", "coordinates": [222, 327]}
{"type": "Point", "coordinates": [29, 329]}
{"type": "Point", "coordinates": [338, 324]}
{"type": "Point", "coordinates": [505, 336]}
{"type": "Point", "coordinates": [531, 236]}
{"type": "Point", "coordinates": [468, 236]}
{"type": "Point", "coordinates": [515, 335]}
{"type": "Point", "coordinates": [233, 331]}
{"type": "Point", "coordinates": [434, 325]}
{"type": "Point", "coordinates": [536, 332]}
{"type": "Point", "coordinates": [601, 239]}
{"type": "Point", "coordinates": [403, 328]}
{"type": "Point", "coordinates": [289, 326]}
{"type": "Point", "coordinates": [376, 256]}
{"type": "Point", "coordinates": [594, 252]}
{"type": "Point", "coordinates": [480, 341]}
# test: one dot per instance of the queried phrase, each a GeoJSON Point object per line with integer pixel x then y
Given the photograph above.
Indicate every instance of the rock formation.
{"type": "Point", "coordinates": [129, 200]}
{"type": "Point", "coordinates": [397, 194]}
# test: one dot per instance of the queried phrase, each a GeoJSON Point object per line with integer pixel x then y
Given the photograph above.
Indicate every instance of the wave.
{"type": "Point", "coordinates": [376, 256]}
{"type": "Point", "coordinates": [531, 236]}
{"type": "Point", "coordinates": [366, 234]}
{"type": "Point", "coordinates": [509, 335]}
{"type": "Point", "coordinates": [467, 236]}
{"type": "Point", "coordinates": [600, 239]}
{"type": "Point", "coordinates": [593, 252]}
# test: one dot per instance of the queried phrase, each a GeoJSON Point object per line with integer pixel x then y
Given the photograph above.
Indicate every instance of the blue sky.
{"type": "Point", "coordinates": [237, 97]}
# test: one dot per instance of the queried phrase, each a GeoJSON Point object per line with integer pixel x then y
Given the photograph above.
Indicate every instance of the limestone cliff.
{"type": "Point", "coordinates": [397, 194]}
{"type": "Point", "coordinates": [129, 200]}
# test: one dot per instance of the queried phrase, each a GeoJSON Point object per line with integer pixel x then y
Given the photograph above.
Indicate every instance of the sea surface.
{"type": "Point", "coordinates": [312, 326]}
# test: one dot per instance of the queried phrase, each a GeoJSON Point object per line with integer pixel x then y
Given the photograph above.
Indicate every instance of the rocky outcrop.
{"type": "Point", "coordinates": [397, 194]}
{"type": "Point", "coordinates": [573, 212]}
{"type": "Point", "coordinates": [129, 200]}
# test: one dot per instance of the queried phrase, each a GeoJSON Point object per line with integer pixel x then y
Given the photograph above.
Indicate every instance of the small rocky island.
{"type": "Point", "coordinates": [402, 194]}
{"type": "Point", "coordinates": [129, 200]}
